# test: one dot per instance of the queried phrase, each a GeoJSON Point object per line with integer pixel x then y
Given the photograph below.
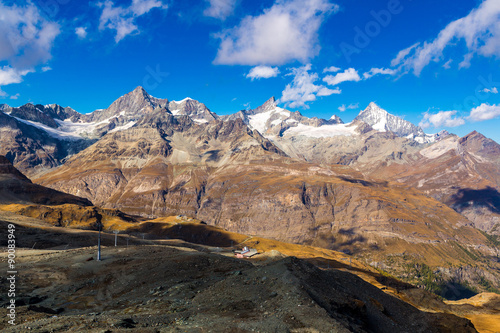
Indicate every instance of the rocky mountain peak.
{"type": "Point", "coordinates": [132, 105]}
{"type": "Point", "coordinates": [138, 95]}
{"type": "Point", "coordinates": [269, 105]}
{"type": "Point", "coordinates": [335, 120]}
{"type": "Point", "coordinates": [480, 145]}
{"type": "Point", "coordinates": [383, 121]}
{"type": "Point", "coordinates": [474, 135]}
{"type": "Point", "coordinates": [197, 111]}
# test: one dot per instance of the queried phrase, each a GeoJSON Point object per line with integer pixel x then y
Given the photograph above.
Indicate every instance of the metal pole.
{"type": "Point", "coordinates": [99, 245]}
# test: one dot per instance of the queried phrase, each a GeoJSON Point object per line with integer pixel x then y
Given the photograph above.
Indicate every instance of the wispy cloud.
{"type": "Point", "coordinates": [379, 71]}
{"type": "Point", "coordinates": [402, 55]}
{"type": "Point", "coordinates": [343, 107]}
{"type": "Point", "coordinates": [440, 119]}
{"type": "Point", "coordinates": [348, 75]}
{"type": "Point", "coordinates": [16, 96]}
{"type": "Point", "coordinates": [493, 90]}
{"type": "Point", "coordinates": [122, 19]}
{"type": "Point", "coordinates": [331, 69]}
{"type": "Point", "coordinates": [287, 31]}
{"type": "Point", "coordinates": [447, 65]}
{"type": "Point", "coordinates": [220, 9]}
{"type": "Point", "coordinates": [480, 30]}
{"type": "Point", "coordinates": [262, 72]}
{"type": "Point", "coordinates": [303, 90]}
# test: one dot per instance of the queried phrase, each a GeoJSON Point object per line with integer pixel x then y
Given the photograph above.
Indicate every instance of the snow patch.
{"type": "Point", "coordinates": [325, 131]}
{"type": "Point", "coordinates": [124, 127]}
{"type": "Point", "coordinates": [380, 125]}
{"type": "Point", "coordinates": [56, 133]}
{"type": "Point", "coordinates": [185, 99]}
{"type": "Point", "coordinates": [276, 122]}
{"type": "Point", "coordinates": [258, 121]}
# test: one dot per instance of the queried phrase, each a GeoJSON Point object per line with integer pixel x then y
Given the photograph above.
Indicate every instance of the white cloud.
{"type": "Point", "coordinates": [480, 30]}
{"type": "Point", "coordinates": [263, 72]}
{"type": "Point", "coordinates": [376, 71]}
{"type": "Point", "coordinates": [348, 75]}
{"type": "Point", "coordinates": [9, 75]}
{"type": "Point", "coordinates": [16, 96]}
{"type": "Point", "coordinates": [493, 90]}
{"type": "Point", "coordinates": [440, 119]}
{"type": "Point", "coordinates": [220, 9]}
{"type": "Point", "coordinates": [303, 90]}
{"type": "Point", "coordinates": [122, 20]}
{"type": "Point", "coordinates": [81, 32]}
{"type": "Point", "coordinates": [285, 32]}
{"type": "Point", "coordinates": [484, 112]}
{"type": "Point", "coordinates": [46, 68]}
{"type": "Point", "coordinates": [331, 69]}
{"type": "Point", "coordinates": [26, 40]}
{"type": "Point", "coordinates": [324, 91]}
{"type": "Point", "coordinates": [343, 107]}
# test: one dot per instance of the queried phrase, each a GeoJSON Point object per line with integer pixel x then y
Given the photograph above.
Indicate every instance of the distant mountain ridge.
{"type": "Point", "coordinates": [268, 119]}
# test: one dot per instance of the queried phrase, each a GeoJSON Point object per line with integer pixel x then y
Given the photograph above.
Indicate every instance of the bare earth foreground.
{"type": "Point", "coordinates": [173, 285]}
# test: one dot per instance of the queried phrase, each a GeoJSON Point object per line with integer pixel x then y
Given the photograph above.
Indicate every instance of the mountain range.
{"type": "Point", "coordinates": [378, 187]}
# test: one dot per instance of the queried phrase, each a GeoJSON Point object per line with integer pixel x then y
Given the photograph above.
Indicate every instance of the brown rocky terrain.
{"type": "Point", "coordinates": [462, 173]}
{"type": "Point", "coordinates": [170, 285]}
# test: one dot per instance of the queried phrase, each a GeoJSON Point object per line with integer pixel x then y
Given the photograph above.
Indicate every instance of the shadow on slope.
{"type": "Point", "coordinates": [488, 198]}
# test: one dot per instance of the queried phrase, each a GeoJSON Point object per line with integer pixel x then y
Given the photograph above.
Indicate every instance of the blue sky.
{"type": "Point", "coordinates": [435, 63]}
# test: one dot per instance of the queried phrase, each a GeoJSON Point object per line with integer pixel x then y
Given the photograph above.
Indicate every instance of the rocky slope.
{"type": "Point", "coordinates": [197, 288]}
{"type": "Point", "coordinates": [463, 173]}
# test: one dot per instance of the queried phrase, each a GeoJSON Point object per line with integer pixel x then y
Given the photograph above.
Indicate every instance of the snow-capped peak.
{"type": "Point", "coordinates": [382, 121]}
{"type": "Point", "coordinates": [374, 109]}
{"type": "Point", "coordinates": [183, 100]}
